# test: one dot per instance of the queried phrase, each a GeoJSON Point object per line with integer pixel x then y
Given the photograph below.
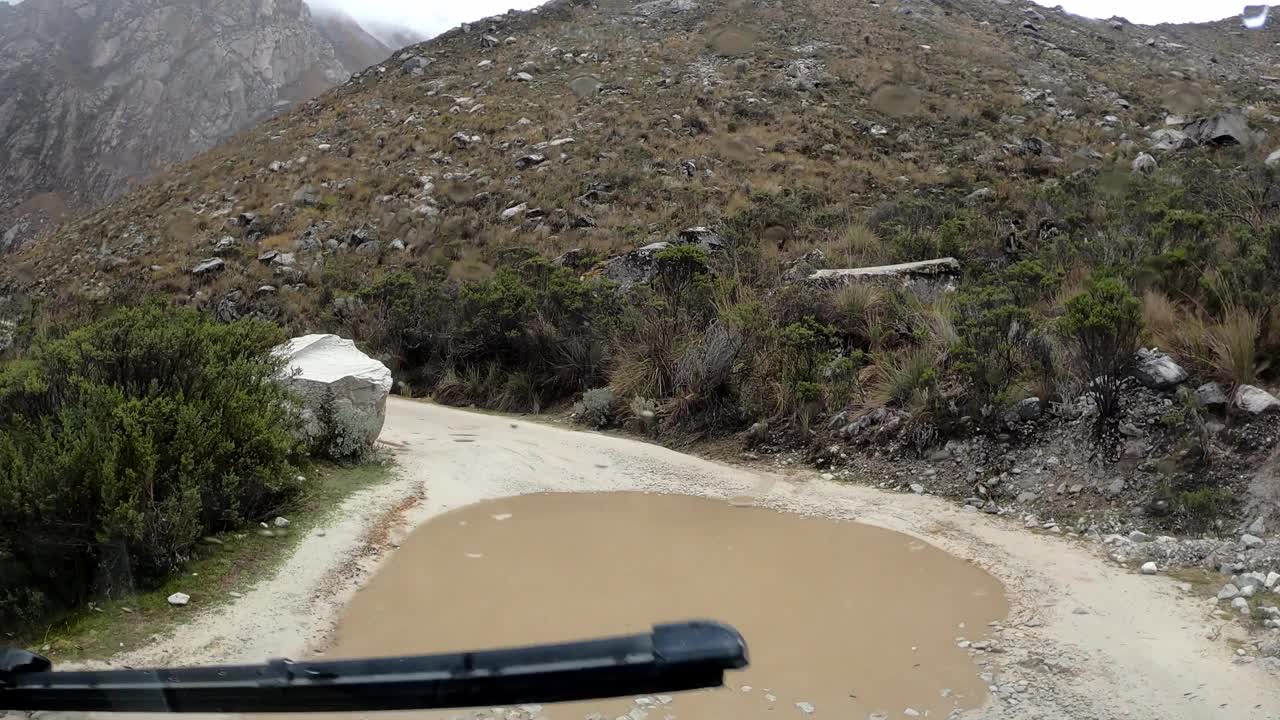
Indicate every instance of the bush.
{"type": "Point", "coordinates": [1104, 322]}
{"type": "Point", "coordinates": [125, 441]}
{"type": "Point", "coordinates": [344, 434]}
{"type": "Point", "coordinates": [596, 409]}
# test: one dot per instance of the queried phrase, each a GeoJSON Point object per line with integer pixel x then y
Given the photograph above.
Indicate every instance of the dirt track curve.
{"type": "Point", "coordinates": [1084, 638]}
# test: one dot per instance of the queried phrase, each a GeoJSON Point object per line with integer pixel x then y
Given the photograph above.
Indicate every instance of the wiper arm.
{"type": "Point", "coordinates": [674, 657]}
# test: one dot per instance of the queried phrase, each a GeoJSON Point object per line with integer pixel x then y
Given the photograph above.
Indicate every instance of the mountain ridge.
{"type": "Point", "coordinates": [99, 94]}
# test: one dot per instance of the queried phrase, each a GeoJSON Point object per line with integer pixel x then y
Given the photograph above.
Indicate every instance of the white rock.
{"type": "Point", "coordinates": [179, 599]}
{"type": "Point", "coordinates": [281, 522]}
{"type": "Point", "coordinates": [513, 211]}
{"type": "Point", "coordinates": [1255, 400]}
{"type": "Point", "coordinates": [1157, 370]}
{"type": "Point", "coordinates": [1251, 541]}
{"type": "Point", "coordinates": [1273, 160]}
{"type": "Point", "coordinates": [1139, 537]}
{"type": "Point", "coordinates": [911, 712]}
{"type": "Point", "coordinates": [318, 366]}
{"type": "Point", "coordinates": [1272, 579]}
{"type": "Point", "coordinates": [1145, 164]}
{"type": "Point", "coordinates": [806, 708]}
{"type": "Point", "coordinates": [1248, 591]}
{"type": "Point", "coordinates": [917, 488]}
{"type": "Point", "coordinates": [1228, 592]}
{"type": "Point", "coordinates": [1241, 604]}
{"type": "Point", "coordinates": [1149, 568]}
{"type": "Point", "coordinates": [524, 77]}
{"type": "Point", "coordinates": [1211, 395]}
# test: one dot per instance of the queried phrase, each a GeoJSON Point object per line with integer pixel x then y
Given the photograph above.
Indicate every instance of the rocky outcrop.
{"type": "Point", "coordinates": [327, 368]}
{"type": "Point", "coordinates": [97, 94]}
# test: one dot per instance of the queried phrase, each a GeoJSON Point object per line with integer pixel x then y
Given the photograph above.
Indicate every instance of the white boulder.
{"type": "Point", "coordinates": [319, 365]}
{"type": "Point", "coordinates": [179, 599]}
{"type": "Point", "coordinates": [1150, 568]}
{"type": "Point", "coordinates": [1157, 370]}
{"type": "Point", "coordinates": [1255, 400]}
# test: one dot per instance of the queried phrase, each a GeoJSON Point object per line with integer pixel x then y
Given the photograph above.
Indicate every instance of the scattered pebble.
{"type": "Point", "coordinates": [806, 708]}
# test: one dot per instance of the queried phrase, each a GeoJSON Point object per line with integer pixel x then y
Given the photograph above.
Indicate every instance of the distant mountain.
{"type": "Point", "coordinates": [97, 94]}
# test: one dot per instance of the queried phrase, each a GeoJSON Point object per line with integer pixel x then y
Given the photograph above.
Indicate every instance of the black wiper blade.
{"type": "Point", "coordinates": [674, 657]}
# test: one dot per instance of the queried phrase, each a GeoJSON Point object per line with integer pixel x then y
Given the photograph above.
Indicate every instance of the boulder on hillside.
{"type": "Point", "coordinates": [641, 266]}
{"type": "Point", "coordinates": [1254, 400]}
{"type": "Point", "coordinates": [1145, 164]}
{"type": "Point", "coordinates": [321, 366]}
{"type": "Point", "coordinates": [1157, 370]}
{"type": "Point", "coordinates": [1228, 128]}
{"type": "Point", "coordinates": [1171, 139]}
{"type": "Point", "coordinates": [1273, 160]}
{"type": "Point", "coordinates": [942, 272]}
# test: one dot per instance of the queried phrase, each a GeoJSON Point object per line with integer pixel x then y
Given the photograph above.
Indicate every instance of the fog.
{"type": "Point", "coordinates": [428, 17]}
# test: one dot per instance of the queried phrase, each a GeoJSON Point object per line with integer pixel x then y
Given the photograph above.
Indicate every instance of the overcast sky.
{"type": "Point", "coordinates": [436, 16]}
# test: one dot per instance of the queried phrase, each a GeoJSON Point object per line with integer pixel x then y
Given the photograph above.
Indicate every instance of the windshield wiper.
{"type": "Point", "coordinates": [674, 657]}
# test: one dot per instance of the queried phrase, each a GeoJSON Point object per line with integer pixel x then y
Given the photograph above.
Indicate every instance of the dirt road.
{"type": "Point", "coordinates": [1084, 639]}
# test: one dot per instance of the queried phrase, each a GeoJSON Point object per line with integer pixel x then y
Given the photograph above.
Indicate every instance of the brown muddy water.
{"type": "Point", "coordinates": [842, 620]}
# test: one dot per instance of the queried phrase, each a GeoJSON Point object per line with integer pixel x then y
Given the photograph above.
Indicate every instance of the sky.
{"type": "Point", "coordinates": [435, 16]}
{"type": "Point", "coordinates": [431, 17]}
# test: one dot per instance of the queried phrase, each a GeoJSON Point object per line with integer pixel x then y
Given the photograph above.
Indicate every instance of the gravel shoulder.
{"type": "Point", "coordinates": [1084, 639]}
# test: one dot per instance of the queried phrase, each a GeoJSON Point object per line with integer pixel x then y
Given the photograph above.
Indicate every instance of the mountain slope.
{"type": "Point", "coordinates": [95, 94]}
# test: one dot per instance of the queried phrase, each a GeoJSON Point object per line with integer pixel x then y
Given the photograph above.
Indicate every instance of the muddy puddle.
{"type": "Point", "coordinates": [843, 620]}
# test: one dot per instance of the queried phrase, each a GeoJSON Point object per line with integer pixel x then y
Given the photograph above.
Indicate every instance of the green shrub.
{"type": "Point", "coordinates": [343, 433]}
{"type": "Point", "coordinates": [597, 408]}
{"type": "Point", "coordinates": [992, 325]}
{"type": "Point", "coordinates": [1104, 322]}
{"type": "Point", "coordinates": [125, 441]}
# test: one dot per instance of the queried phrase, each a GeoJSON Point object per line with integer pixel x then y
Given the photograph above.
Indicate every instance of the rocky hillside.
{"type": "Point", "coordinates": [95, 94]}
{"type": "Point", "coordinates": [660, 210]}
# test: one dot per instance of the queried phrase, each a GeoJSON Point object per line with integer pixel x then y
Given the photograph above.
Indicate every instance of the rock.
{"type": "Point", "coordinates": [941, 272]}
{"type": "Point", "coordinates": [1251, 541]}
{"type": "Point", "coordinates": [1149, 568]}
{"type": "Point", "coordinates": [1241, 605]}
{"type": "Point", "coordinates": [1029, 409]}
{"type": "Point", "coordinates": [528, 161]}
{"type": "Point", "coordinates": [1211, 395]}
{"type": "Point", "coordinates": [1228, 592]}
{"type": "Point", "coordinates": [210, 266]}
{"type": "Point", "coordinates": [306, 196]}
{"type": "Point", "coordinates": [806, 708]}
{"type": "Point", "coordinates": [1115, 487]}
{"type": "Point", "coordinates": [281, 522]}
{"type": "Point", "coordinates": [1272, 579]}
{"type": "Point", "coordinates": [321, 366]}
{"type": "Point", "coordinates": [917, 488]}
{"type": "Point", "coordinates": [397, 244]}
{"type": "Point", "coordinates": [980, 195]}
{"type": "Point", "coordinates": [1254, 400]}
{"type": "Point", "coordinates": [640, 265]}
{"type": "Point", "coordinates": [1170, 139]}
{"type": "Point", "coordinates": [179, 599]}
{"type": "Point", "coordinates": [1157, 370]}
{"type": "Point", "coordinates": [757, 434]}
{"type": "Point", "coordinates": [1138, 536]}
{"type": "Point", "coordinates": [804, 266]}
{"type": "Point", "coordinates": [514, 211]}
{"type": "Point", "coordinates": [523, 77]}
{"type": "Point", "coordinates": [1229, 128]}
{"type": "Point", "coordinates": [414, 65]}
{"type": "Point", "coordinates": [1036, 146]}
{"type": "Point", "coordinates": [1273, 160]}
{"type": "Point", "coordinates": [1145, 164]}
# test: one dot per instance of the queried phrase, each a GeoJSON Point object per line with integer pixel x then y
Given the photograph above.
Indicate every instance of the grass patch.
{"type": "Point", "coordinates": [215, 570]}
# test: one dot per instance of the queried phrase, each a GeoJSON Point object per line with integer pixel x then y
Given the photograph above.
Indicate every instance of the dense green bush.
{"type": "Point", "coordinates": [1104, 322]}
{"type": "Point", "coordinates": [126, 440]}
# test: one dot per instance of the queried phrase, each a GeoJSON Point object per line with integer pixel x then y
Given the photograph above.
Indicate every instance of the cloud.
{"type": "Point", "coordinates": [429, 17]}
{"type": "Point", "coordinates": [1147, 12]}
